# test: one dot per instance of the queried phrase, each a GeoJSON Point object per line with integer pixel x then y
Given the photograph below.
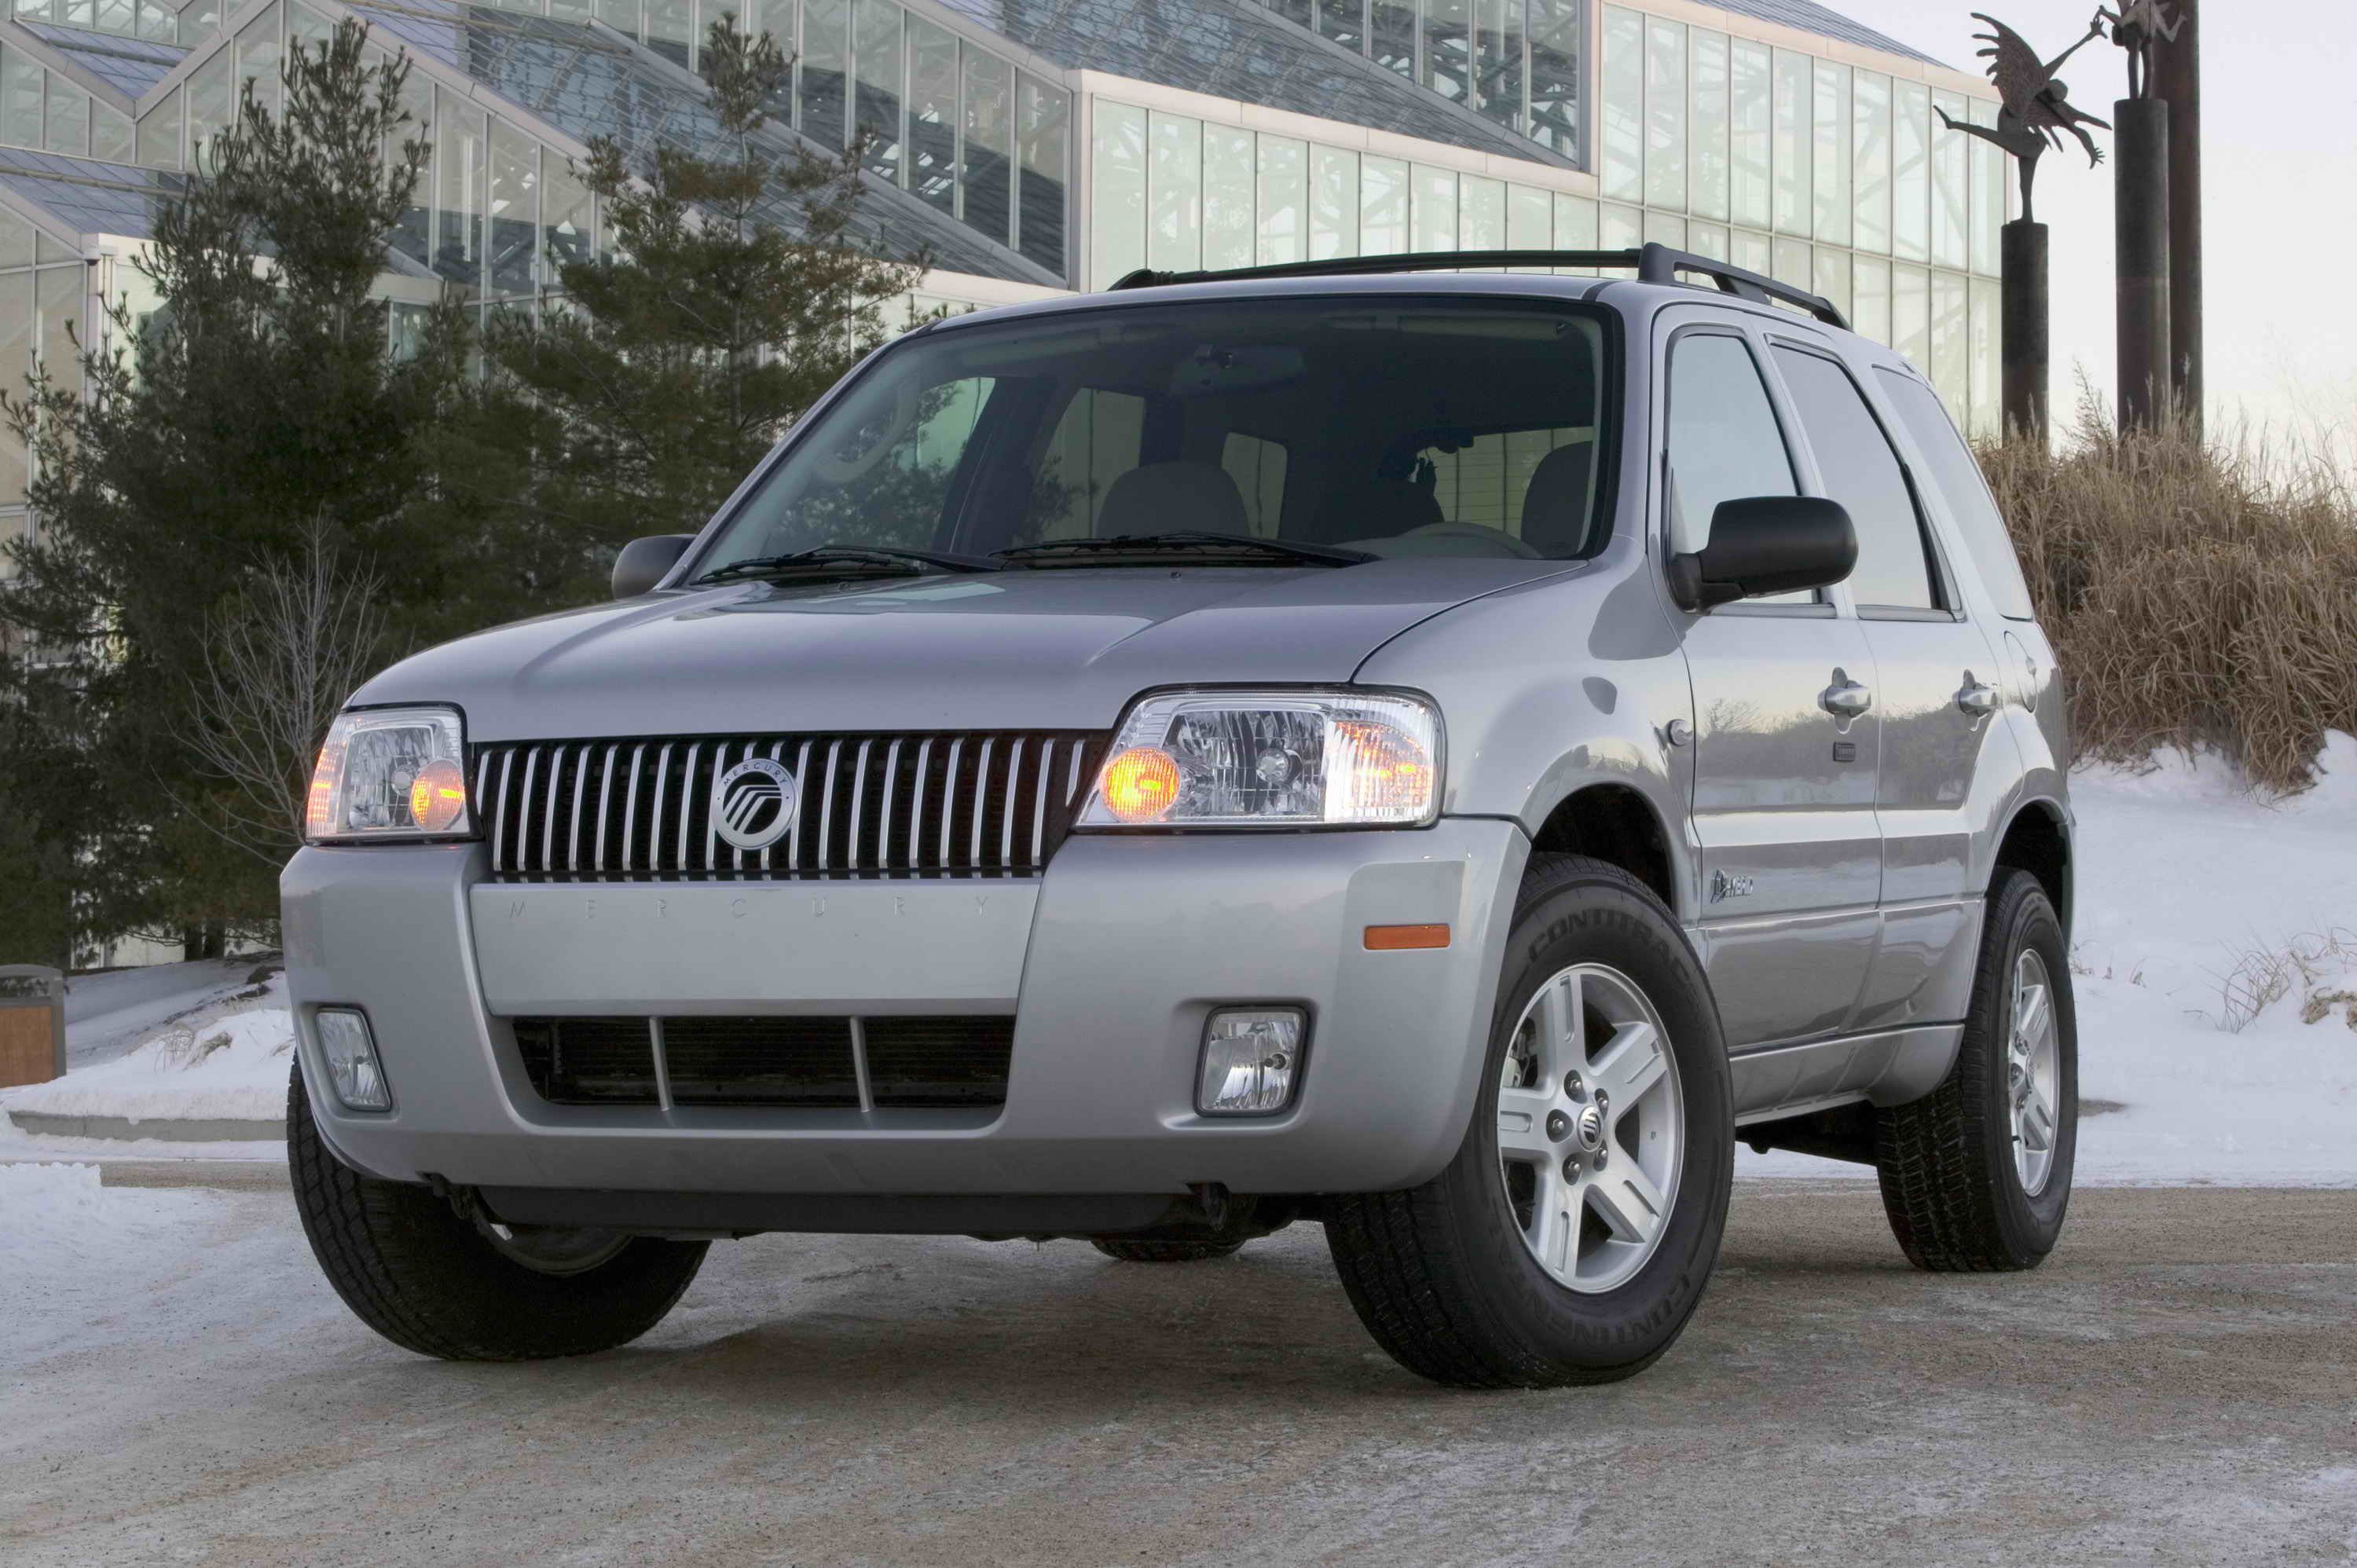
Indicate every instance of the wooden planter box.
{"type": "Point", "coordinates": [32, 1025]}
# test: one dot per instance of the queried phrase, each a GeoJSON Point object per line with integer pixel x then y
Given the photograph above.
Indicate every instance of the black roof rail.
{"type": "Point", "coordinates": [1651, 264]}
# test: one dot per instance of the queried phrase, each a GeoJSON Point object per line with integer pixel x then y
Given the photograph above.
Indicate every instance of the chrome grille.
{"type": "Point", "coordinates": [967, 804]}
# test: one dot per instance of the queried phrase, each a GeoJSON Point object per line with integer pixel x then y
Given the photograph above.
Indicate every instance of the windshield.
{"type": "Point", "coordinates": [1385, 427]}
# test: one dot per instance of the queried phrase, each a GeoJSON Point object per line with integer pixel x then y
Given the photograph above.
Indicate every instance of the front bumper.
{"type": "Point", "coordinates": [1110, 963]}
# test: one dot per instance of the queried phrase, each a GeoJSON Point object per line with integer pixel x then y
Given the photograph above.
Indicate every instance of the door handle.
{"type": "Point", "coordinates": [1977, 699]}
{"type": "Point", "coordinates": [1844, 699]}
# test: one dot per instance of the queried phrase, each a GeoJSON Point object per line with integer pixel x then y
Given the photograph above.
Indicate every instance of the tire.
{"type": "Point", "coordinates": [1168, 1252]}
{"type": "Point", "coordinates": [1958, 1198]}
{"type": "Point", "coordinates": [410, 1268]}
{"type": "Point", "coordinates": [1443, 1275]}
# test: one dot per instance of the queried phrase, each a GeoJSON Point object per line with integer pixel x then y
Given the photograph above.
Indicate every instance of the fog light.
{"type": "Point", "coordinates": [351, 1055]}
{"type": "Point", "coordinates": [1252, 1059]}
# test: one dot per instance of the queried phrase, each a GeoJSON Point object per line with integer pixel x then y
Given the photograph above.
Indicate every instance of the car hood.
{"type": "Point", "coordinates": [1064, 648]}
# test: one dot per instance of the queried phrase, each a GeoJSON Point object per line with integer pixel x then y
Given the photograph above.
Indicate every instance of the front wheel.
{"type": "Point", "coordinates": [1569, 1240]}
{"type": "Point", "coordinates": [431, 1282]}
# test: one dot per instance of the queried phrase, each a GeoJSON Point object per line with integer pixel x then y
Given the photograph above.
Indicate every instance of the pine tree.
{"type": "Point", "coordinates": [685, 349]}
{"type": "Point", "coordinates": [257, 406]}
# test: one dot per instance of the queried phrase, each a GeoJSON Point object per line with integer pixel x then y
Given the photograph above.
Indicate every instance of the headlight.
{"type": "Point", "coordinates": [391, 773]}
{"type": "Point", "coordinates": [1271, 759]}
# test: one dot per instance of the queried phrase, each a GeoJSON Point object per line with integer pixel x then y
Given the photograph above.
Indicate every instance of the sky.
{"type": "Point", "coordinates": [2279, 185]}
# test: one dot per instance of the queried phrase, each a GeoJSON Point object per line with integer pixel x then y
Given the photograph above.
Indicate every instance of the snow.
{"type": "Point", "coordinates": [226, 1060]}
{"type": "Point", "coordinates": [80, 1262]}
{"type": "Point", "coordinates": [2211, 925]}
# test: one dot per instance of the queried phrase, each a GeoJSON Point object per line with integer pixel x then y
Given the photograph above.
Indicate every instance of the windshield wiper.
{"type": "Point", "coordinates": [1184, 544]}
{"type": "Point", "coordinates": [835, 560]}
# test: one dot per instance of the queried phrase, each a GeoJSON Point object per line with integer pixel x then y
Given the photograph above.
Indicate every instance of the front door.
{"type": "Point", "coordinates": [1786, 732]}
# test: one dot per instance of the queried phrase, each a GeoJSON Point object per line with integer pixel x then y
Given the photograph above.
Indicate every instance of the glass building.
{"type": "Point", "coordinates": [1032, 147]}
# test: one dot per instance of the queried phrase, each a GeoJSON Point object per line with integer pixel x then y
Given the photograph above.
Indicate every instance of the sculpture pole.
{"type": "Point", "coordinates": [2023, 330]}
{"type": "Point", "coordinates": [2176, 82]}
{"type": "Point", "coordinates": [2140, 236]}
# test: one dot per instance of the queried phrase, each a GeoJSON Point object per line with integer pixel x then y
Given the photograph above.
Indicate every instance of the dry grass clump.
{"type": "Point", "coordinates": [2196, 594]}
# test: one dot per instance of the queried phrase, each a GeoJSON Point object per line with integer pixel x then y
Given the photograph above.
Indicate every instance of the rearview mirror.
{"type": "Point", "coordinates": [1766, 545]}
{"type": "Point", "coordinates": [645, 562]}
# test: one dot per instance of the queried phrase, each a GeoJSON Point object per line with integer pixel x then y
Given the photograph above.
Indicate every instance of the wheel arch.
{"type": "Point", "coordinates": [1617, 823]}
{"type": "Point", "coordinates": [2036, 839]}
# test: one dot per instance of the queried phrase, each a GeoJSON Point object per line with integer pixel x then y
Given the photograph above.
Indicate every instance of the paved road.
{"type": "Point", "coordinates": [2178, 1385]}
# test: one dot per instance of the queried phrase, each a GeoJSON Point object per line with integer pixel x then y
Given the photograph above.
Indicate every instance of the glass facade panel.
{"type": "Point", "coordinates": [1707, 125]}
{"type": "Point", "coordinates": [1988, 192]}
{"type": "Point", "coordinates": [209, 97]}
{"type": "Point", "coordinates": [876, 105]}
{"type": "Point", "coordinates": [1435, 209]}
{"type": "Point", "coordinates": [670, 31]}
{"type": "Point", "coordinates": [59, 299]}
{"type": "Point", "coordinates": [1982, 350]}
{"type": "Point", "coordinates": [1345, 22]}
{"type": "Point", "coordinates": [1911, 180]}
{"type": "Point", "coordinates": [1480, 214]}
{"type": "Point", "coordinates": [1043, 129]}
{"type": "Point", "coordinates": [1748, 133]}
{"type": "Point", "coordinates": [1447, 48]}
{"type": "Point", "coordinates": [1665, 229]}
{"type": "Point", "coordinates": [986, 172]}
{"type": "Point", "coordinates": [1870, 161]}
{"type": "Point", "coordinates": [826, 62]}
{"type": "Point", "coordinates": [1574, 223]}
{"type": "Point", "coordinates": [1665, 114]}
{"type": "Point", "coordinates": [159, 133]}
{"type": "Point", "coordinates": [1910, 314]}
{"type": "Point", "coordinates": [1830, 153]}
{"type": "Point", "coordinates": [1558, 70]}
{"type": "Point", "coordinates": [1333, 203]}
{"type": "Point", "coordinates": [1174, 235]}
{"type": "Point", "coordinates": [1753, 252]}
{"type": "Point", "coordinates": [1284, 200]}
{"type": "Point", "coordinates": [457, 175]}
{"type": "Point", "coordinates": [622, 15]}
{"type": "Point", "coordinates": [1831, 278]}
{"type": "Point", "coordinates": [1382, 206]}
{"type": "Point", "coordinates": [513, 210]}
{"type": "Point", "coordinates": [15, 360]}
{"type": "Point", "coordinates": [566, 235]}
{"type": "Point", "coordinates": [1621, 109]}
{"type": "Point", "coordinates": [1229, 176]}
{"type": "Point", "coordinates": [1619, 228]}
{"type": "Point", "coordinates": [157, 23]}
{"type": "Point", "coordinates": [932, 113]}
{"type": "Point", "coordinates": [110, 135]}
{"type": "Point", "coordinates": [1498, 82]}
{"type": "Point", "coordinates": [22, 113]}
{"type": "Point", "coordinates": [1870, 298]}
{"type": "Point", "coordinates": [1951, 365]}
{"type": "Point", "coordinates": [1116, 193]}
{"type": "Point", "coordinates": [1791, 264]}
{"type": "Point", "coordinates": [69, 120]}
{"type": "Point", "coordinates": [1393, 44]}
{"type": "Point", "coordinates": [257, 57]}
{"type": "Point", "coordinates": [1708, 239]}
{"type": "Point", "coordinates": [1530, 219]}
{"type": "Point", "coordinates": [1950, 185]}
{"type": "Point", "coordinates": [1793, 92]}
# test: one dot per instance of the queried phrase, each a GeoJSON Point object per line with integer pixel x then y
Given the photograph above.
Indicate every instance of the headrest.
{"type": "Point", "coordinates": [1172, 497]}
{"type": "Point", "coordinates": [1556, 504]}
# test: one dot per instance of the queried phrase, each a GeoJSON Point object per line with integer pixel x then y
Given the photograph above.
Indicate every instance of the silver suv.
{"type": "Point", "coordinates": [1440, 755]}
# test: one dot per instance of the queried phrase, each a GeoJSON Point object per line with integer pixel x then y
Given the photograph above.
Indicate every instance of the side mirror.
{"type": "Point", "coordinates": [1766, 545]}
{"type": "Point", "coordinates": [645, 562]}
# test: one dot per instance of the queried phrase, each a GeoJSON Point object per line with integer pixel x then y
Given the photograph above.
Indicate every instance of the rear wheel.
{"type": "Point", "coordinates": [1570, 1239]}
{"type": "Point", "coordinates": [473, 1290]}
{"type": "Point", "coordinates": [1976, 1175]}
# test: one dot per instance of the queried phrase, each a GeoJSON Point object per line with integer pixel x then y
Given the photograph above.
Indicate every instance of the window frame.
{"type": "Point", "coordinates": [1942, 579]}
{"type": "Point", "coordinates": [1823, 607]}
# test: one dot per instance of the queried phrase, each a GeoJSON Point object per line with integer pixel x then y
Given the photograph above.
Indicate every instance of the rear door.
{"type": "Point", "coordinates": [1783, 794]}
{"type": "Point", "coordinates": [1938, 686]}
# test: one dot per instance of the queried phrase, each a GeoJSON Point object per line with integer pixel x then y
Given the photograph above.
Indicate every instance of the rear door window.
{"type": "Point", "coordinates": [1957, 478]}
{"type": "Point", "coordinates": [1861, 471]}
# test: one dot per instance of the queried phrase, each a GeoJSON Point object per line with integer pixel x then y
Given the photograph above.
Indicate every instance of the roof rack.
{"type": "Point", "coordinates": [1651, 264]}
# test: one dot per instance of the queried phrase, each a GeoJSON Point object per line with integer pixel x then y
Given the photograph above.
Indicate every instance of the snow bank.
{"type": "Point", "coordinates": [2212, 926]}
{"type": "Point", "coordinates": [229, 1061]}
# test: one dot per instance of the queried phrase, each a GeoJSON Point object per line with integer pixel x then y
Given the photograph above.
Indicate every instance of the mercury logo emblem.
{"type": "Point", "coordinates": [753, 803]}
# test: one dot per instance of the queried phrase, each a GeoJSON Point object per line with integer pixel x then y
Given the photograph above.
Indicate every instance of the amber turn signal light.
{"type": "Point", "coordinates": [1141, 784]}
{"type": "Point", "coordinates": [1405, 939]}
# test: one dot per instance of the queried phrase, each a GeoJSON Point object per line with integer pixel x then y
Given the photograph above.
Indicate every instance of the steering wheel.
{"type": "Point", "coordinates": [1477, 534]}
{"type": "Point", "coordinates": [837, 467]}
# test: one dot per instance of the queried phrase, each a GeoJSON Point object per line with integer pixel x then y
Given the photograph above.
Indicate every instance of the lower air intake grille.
{"type": "Point", "coordinates": [771, 1060]}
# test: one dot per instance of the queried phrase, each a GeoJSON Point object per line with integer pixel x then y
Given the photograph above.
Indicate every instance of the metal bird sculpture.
{"type": "Point", "coordinates": [2134, 26]}
{"type": "Point", "coordinates": [2035, 105]}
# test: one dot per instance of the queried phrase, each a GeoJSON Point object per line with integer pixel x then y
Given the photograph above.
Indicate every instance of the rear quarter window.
{"type": "Point", "coordinates": [1957, 478]}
